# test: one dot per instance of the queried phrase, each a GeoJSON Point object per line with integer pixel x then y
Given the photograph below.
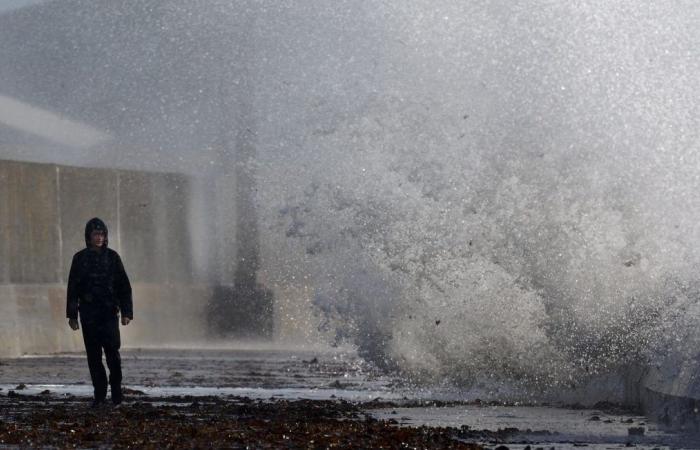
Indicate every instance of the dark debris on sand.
{"type": "Point", "coordinates": [208, 422]}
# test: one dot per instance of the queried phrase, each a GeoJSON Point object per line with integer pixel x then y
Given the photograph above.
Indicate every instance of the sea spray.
{"type": "Point", "coordinates": [439, 261]}
{"type": "Point", "coordinates": [517, 199]}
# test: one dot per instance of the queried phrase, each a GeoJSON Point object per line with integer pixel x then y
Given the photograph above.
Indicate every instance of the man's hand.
{"type": "Point", "coordinates": [125, 320]}
{"type": "Point", "coordinates": [73, 324]}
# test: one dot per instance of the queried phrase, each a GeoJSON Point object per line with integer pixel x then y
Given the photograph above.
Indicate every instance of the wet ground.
{"type": "Point", "coordinates": [271, 398]}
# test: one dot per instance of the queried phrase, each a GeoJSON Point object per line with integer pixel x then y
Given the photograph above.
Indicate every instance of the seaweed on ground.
{"type": "Point", "coordinates": [211, 422]}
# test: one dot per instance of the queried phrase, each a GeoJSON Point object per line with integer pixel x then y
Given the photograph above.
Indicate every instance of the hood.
{"type": "Point", "coordinates": [92, 225]}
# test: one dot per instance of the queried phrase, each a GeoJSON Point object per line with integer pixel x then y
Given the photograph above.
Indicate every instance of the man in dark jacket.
{"type": "Point", "coordinates": [98, 289]}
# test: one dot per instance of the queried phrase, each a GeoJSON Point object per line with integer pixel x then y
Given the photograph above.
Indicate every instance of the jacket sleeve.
{"type": "Point", "coordinates": [72, 301]}
{"type": "Point", "coordinates": [122, 288]}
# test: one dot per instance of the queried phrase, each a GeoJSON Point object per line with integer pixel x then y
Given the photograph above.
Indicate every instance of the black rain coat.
{"type": "Point", "coordinates": [98, 285]}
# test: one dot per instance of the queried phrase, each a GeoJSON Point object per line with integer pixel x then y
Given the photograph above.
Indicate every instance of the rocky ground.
{"type": "Point", "coordinates": [211, 422]}
{"type": "Point", "coordinates": [275, 398]}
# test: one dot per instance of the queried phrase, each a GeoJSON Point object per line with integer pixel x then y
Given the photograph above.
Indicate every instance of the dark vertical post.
{"type": "Point", "coordinates": [247, 240]}
{"type": "Point", "coordinates": [245, 308]}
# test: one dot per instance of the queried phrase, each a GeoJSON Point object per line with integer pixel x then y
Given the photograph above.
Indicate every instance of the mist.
{"type": "Point", "coordinates": [469, 192]}
{"type": "Point", "coordinates": [515, 200]}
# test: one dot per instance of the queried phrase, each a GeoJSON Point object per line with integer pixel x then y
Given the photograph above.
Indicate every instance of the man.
{"type": "Point", "coordinates": [98, 289]}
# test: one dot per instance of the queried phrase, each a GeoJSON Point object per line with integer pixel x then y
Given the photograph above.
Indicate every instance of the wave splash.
{"type": "Point", "coordinates": [534, 229]}
{"type": "Point", "coordinates": [451, 265]}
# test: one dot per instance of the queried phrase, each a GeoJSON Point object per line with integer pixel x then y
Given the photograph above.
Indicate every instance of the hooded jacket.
{"type": "Point", "coordinates": [97, 284]}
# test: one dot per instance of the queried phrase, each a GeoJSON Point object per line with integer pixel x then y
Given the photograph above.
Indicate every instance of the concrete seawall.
{"type": "Point", "coordinates": [43, 210]}
{"type": "Point", "coordinates": [34, 318]}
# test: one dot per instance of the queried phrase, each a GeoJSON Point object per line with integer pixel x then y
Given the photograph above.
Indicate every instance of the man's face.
{"type": "Point", "coordinates": [97, 238]}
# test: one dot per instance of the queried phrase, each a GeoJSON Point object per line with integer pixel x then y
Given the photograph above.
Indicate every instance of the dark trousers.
{"type": "Point", "coordinates": [103, 333]}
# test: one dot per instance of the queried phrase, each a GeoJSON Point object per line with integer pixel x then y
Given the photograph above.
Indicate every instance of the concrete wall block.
{"type": "Point", "coordinates": [85, 194]}
{"type": "Point", "coordinates": [33, 322]}
{"type": "Point", "coordinates": [29, 231]}
{"type": "Point", "coordinates": [176, 192]}
{"type": "Point", "coordinates": [39, 249]}
{"type": "Point", "coordinates": [6, 235]}
{"type": "Point", "coordinates": [9, 339]}
{"type": "Point", "coordinates": [167, 314]}
{"type": "Point", "coordinates": [154, 226]}
{"type": "Point", "coordinates": [139, 210]}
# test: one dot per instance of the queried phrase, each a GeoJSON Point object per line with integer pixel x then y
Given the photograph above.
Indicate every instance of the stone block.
{"type": "Point", "coordinates": [176, 192]}
{"type": "Point", "coordinates": [167, 315]}
{"type": "Point", "coordinates": [6, 235]}
{"type": "Point", "coordinates": [140, 210]}
{"type": "Point", "coordinates": [34, 320]}
{"type": "Point", "coordinates": [29, 223]}
{"type": "Point", "coordinates": [84, 194]}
